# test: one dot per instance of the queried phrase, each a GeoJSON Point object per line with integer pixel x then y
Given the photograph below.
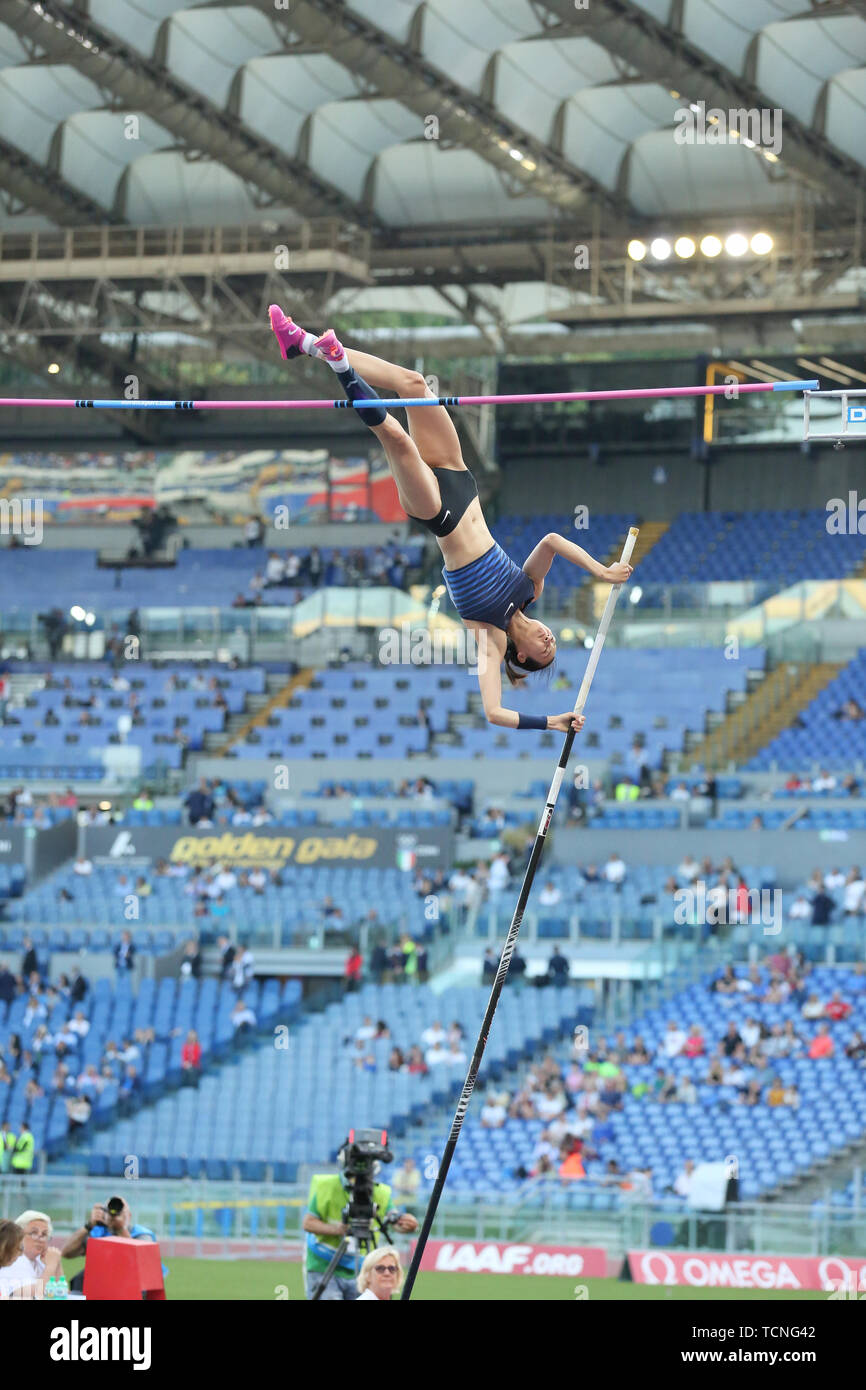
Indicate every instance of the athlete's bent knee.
{"type": "Point", "coordinates": [412, 384]}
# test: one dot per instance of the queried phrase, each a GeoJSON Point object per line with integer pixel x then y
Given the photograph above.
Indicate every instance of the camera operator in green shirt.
{"type": "Point", "coordinates": [352, 1205]}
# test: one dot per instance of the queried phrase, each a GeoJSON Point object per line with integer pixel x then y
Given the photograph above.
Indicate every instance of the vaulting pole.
{"type": "Point", "coordinates": [511, 940]}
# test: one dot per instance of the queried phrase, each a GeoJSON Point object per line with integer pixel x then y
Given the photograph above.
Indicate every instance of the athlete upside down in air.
{"type": "Point", "coordinates": [490, 592]}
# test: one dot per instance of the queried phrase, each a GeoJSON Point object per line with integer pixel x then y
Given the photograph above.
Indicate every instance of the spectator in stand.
{"type": "Point", "coordinates": [731, 1040]}
{"type": "Point", "coordinates": [558, 968]}
{"type": "Point", "coordinates": [275, 570]}
{"type": "Point", "coordinates": [415, 1065]}
{"type": "Point", "coordinates": [406, 1184]}
{"type": "Point", "coordinates": [455, 1056]}
{"type": "Point", "coordinates": [687, 1091]}
{"type": "Point", "coordinates": [517, 970]}
{"type": "Point", "coordinates": [813, 1008]}
{"type": "Point", "coordinates": [243, 1017]}
{"type": "Point", "coordinates": [489, 966]}
{"type": "Point", "coordinates": [822, 1044]}
{"type": "Point", "coordinates": [837, 1010]}
{"type": "Point", "coordinates": [823, 908]}
{"type": "Point", "coordinates": [695, 1044]}
{"type": "Point", "coordinates": [493, 1113]}
{"type": "Point", "coordinates": [853, 894]}
{"type": "Point", "coordinates": [824, 782]}
{"type": "Point", "coordinates": [242, 969]}
{"type": "Point", "coordinates": [124, 954]}
{"type": "Point", "coordinates": [850, 711]}
{"type": "Point", "coordinates": [190, 1058]}
{"type": "Point", "coordinates": [435, 1035]}
{"type": "Point", "coordinates": [776, 1093]}
{"type": "Point", "coordinates": [855, 1049]}
{"type": "Point", "coordinates": [615, 870]}
{"type": "Point", "coordinates": [227, 955]}
{"type": "Point", "coordinates": [751, 1095]}
{"type": "Point", "coordinates": [353, 970]}
{"type": "Point", "coordinates": [200, 803]}
{"type": "Point", "coordinates": [673, 1041]}
{"type": "Point", "coordinates": [190, 966]}
{"type": "Point", "coordinates": [550, 895]}
{"type": "Point", "coordinates": [29, 961]}
{"type": "Point", "coordinates": [750, 1032]}
{"type": "Point", "coordinates": [83, 866]}
{"type": "Point", "coordinates": [685, 1180]}
{"type": "Point", "coordinates": [800, 908]}
{"type": "Point", "coordinates": [689, 870]}
{"type": "Point", "coordinates": [437, 1055]}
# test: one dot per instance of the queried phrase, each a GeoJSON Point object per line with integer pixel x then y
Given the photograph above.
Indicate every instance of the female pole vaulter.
{"type": "Point", "coordinates": [490, 592]}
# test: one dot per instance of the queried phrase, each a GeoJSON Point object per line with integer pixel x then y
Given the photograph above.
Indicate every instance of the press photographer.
{"type": "Point", "coordinates": [113, 1219]}
{"type": "Point", "coordinates": [348, 1216]}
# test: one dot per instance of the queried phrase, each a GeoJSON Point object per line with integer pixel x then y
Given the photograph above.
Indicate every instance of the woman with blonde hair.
{"type": "Point", "coordinates": [34, 1261]}
{"type": "Point", "coordinates": [381, 1276]}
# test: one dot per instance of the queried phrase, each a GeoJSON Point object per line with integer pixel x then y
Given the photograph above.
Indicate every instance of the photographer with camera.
{"type": "Point", "coordinates": [343, 1210]}
{"type": "Point", "coordinates": [113, 1219]}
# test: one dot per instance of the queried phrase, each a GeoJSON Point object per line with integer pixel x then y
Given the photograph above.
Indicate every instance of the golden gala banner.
{"type": "Point", "coordinates": [269, 846]}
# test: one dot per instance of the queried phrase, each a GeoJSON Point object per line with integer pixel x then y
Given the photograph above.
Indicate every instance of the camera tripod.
{"type": "Point", "coordinates": [360, 1231]}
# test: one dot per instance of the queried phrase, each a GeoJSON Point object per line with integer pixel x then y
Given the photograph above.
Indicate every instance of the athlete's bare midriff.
{"type": "Point", "coordinates": [469, 540]}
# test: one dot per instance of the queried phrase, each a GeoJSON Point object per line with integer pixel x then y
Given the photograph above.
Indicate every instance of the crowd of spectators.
{"type": "Point", "coordinates": [300, 573]}
{"type": "Point", "coordinates": [576, 1100]}
{"type": "Point", "coordinates": [437, 1049]}
{"type": "Point", "coordinates": [80, 1086]}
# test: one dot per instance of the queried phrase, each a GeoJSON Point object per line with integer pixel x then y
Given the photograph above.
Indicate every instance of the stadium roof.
{"type": "Point", "coordinates": [155, 113]}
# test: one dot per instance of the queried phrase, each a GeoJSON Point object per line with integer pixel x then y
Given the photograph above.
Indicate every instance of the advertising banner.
{"type": "Point", "coordinates": [272, 847]}
{"type": "Point", "coordinates": [485, 1257]}
{"type": "Point", "coordinates": [709, 1270]}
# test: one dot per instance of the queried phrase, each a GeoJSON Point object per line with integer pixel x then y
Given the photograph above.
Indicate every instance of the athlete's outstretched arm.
{"type": "Point", "coordinates": [491, 650]}
{"type": "Point", "coordinates": [538, 563]}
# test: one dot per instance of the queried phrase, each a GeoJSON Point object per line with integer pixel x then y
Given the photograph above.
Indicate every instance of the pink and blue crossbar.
{"type": "Point", "coordinates": [532, 398]}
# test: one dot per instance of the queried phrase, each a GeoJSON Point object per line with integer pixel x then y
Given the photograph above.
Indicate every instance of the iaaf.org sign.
{"type": "Point", "coordinates": [477, 1257]}
{"type": "Point", "coordinates": [724, 1271]}
{"type": "Point", "coordinates": [271, 847]}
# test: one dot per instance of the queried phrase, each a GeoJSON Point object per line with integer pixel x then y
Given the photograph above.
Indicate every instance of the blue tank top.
{"type": "Point", "coordinates": [491, 589]}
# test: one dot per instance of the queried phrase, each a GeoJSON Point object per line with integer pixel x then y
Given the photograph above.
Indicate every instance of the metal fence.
{"type": "Point", "coordinates": [213, 1219]}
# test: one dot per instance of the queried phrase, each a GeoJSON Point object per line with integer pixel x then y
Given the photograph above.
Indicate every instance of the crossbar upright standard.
{"type": "Point", "coordinates": [511, 940]}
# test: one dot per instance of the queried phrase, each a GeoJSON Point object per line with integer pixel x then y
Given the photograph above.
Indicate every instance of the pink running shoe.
{"type": "Point", "coordinates": [289, 336]}
{"type": "Point", "coordinates": [331, 350]}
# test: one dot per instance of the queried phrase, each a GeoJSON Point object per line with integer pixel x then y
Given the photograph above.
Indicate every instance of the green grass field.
{"type": "Point", "coordinates": [272, 1279]}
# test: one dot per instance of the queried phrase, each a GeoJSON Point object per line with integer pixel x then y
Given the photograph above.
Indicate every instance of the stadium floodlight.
{"type": "Point", "coordinates": [90, 619]}
{"type": "Point", "coordinates": [762, 243]}
{"type": "Point", "coordinates": [516, 154]}
{"type": "Point", "coordinates": [660, 248]}
{"type": "Point", "coordinates": [684, 247]}
{"type": "Point", "coordinates": [711, 246]}
{"type": "Point", "coordinates": [53, 368]}
{"type": "Point", "coordinates": [588, 642]}
{"type": "Point", "coordinates": [736, 244]}
{"type": "Point", "coordinates": [636, 250]}
{"type": "Point", "coordinates": [636, 594]}
{"type": "Point", "coordinates": [77, 612]}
